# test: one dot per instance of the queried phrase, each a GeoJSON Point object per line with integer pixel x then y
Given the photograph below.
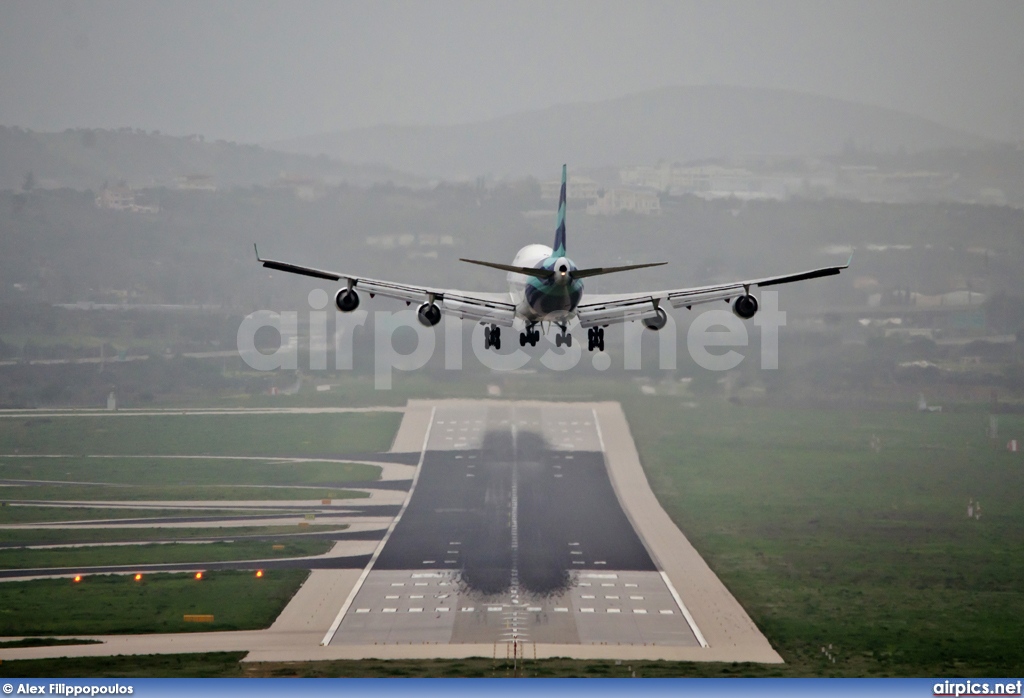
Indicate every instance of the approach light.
{"type": "Point", "coordinates": [138, 577]}
{"type": "Point", "coordinates": [199, 575]}
{"type": "Point", "coordinates": [259, 573]}
{"type": "Point", "coordinates": [78, 578]}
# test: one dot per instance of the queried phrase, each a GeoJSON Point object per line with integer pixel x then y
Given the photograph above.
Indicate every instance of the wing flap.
{"type": "Point", "coordinates": [608, 309]}
{"type": "Point", "coordinates": [485, 307]}
{"type": "Point", "coordinates": [613, 313]}
{"type": "Point", "coordinates": [477, 310]}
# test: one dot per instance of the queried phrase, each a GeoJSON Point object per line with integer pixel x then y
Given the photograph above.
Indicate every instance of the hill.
{"type": "Point", "coordinates": [86, 158]}
{"type": "Point", "coordinates": [673, 124]}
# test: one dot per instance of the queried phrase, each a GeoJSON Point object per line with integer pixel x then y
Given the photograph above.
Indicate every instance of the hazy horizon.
{"type": "Point", "coordinates": [262, 71]}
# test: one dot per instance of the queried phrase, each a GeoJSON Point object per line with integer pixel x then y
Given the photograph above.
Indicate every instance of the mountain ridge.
{"type": "Point", "coordinates": [678, 123]}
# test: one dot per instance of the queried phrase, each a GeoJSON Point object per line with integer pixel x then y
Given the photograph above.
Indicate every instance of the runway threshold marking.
{"type": "Point", "coordinates": [668, 583]}
{"type": "Point", "coordinates": [376, 553]}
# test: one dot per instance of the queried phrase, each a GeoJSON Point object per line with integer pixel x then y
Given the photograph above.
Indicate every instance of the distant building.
{"type": "Point", "coordinates": [304, 187]}
{"type": "Point", "coordinates": [408, 240]}
{"type": "Point", "coordinates": [576, 189]}
{"type": "Point", "coordinates": [122, 199]}
{"type": "Point", "coordinates": [619, 200]}
{"type": "Point", "coordinates": [719, 182]}
{"type": "Point", "coordinates": [196, 182]}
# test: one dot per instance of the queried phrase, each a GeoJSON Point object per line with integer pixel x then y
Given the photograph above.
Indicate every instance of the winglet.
{"type": "Point", "coordinates": [256, 249]}
{"type": "Point", "coordinates": [558, 249]}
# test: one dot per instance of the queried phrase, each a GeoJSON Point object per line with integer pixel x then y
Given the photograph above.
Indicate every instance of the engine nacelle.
{"type": "Point", "coordinates": [657, 322]}
{"type": "Point", "coordinates": [347, 300]}
{"type": "Point", "coordinates": [428, 314]}
{"type": "Point", "coordinates": [745, 307]}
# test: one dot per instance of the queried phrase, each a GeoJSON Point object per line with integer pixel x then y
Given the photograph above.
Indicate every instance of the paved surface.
{"type": "Point", "coordinates": [513, 521]}
{"type": "Point", "coordinates": [513, 508]}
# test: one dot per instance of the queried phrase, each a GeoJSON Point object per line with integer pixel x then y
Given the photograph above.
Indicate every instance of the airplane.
{"type": "Point", "coordinates": [546, 286]}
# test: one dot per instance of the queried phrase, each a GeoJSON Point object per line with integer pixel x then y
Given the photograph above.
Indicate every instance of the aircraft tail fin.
{"type": "Point", "coordinates": [559, 246]}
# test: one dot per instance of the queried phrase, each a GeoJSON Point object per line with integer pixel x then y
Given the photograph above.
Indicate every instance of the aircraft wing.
{"type": "Point", "coordinates": [494, 308]}
{"type": "Point", "coordinates": [608, 309]}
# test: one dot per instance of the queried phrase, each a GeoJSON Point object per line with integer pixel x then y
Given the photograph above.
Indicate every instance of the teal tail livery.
{"type": "Point", "coordinates": [558, 249]}
{"type": "Point", "coordinates": [546, 286]}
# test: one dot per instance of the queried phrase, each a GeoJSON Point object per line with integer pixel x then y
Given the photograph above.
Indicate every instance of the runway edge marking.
{"type": "Point", "coordinates": [671, 588]}
{"type": "Point", "coordinates": [376, 553]}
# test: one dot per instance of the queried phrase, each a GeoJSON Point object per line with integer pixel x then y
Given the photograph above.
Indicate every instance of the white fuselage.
{"type": "Point", "coordinates": [538, 300]}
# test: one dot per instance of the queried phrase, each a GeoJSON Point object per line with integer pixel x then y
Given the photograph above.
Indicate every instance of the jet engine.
{"type": "Point", "coordinates": [656, 322]}
{"type": "Point", "coordinates": [745, 306]}
{"type": "Point", "coordinates": [428, 314]}
{"type": "Point", "coordinates": [347, 300]}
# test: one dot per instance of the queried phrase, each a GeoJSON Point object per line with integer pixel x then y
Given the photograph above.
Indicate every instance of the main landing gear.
{"type": "Point", "coordinates": [595, 339]}
{"type": "Point", "coordinates": [492, 337]}
{"type": "Point", "coordinates": [531, 336]}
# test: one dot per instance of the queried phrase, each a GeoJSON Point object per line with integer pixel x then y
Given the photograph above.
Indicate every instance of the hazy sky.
{"type": "Point", "coordinates": [259, 71]}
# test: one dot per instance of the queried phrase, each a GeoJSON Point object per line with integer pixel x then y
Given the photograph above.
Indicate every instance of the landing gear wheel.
{"type": "Point", "coordinates": [492, 337]}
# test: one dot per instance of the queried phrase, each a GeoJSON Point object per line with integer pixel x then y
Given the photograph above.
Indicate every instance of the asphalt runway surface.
{"type": "Point", "coordinates": [514, 533]}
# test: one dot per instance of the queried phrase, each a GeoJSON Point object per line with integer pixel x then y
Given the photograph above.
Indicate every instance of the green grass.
{"type": "Point", "coordinates": [196, 472]}
{"type": "Point", "coordinates": [114, 604]}
{"type": "Point", "coordinates": [53, 536]}
{"type": "Point", "coordinates": [45, 642]}
{"type": "Point", "coordinates": [43, 514]}
{"type": "Point", "coordinates": [211, 665]}
{"type": "Point", "coordinates": [824, 541]}
{"type": "Point", "coordinates": [95, 556]}
{"type": "Point", "coordinates": [261, 435]}
{"type": "Point", "coordinates": [220, 493]}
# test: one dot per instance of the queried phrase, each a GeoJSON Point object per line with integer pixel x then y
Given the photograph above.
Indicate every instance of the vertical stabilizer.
{"type": "Point", "coordinates": [559, 246]}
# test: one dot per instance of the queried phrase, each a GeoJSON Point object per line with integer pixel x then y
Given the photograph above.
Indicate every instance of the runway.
{"type": "Point", "coordinates": [514, 533]}
{"type": "Point", "coordinates": [528, 525]}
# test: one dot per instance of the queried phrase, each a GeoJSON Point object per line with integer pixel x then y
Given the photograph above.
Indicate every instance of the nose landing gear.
{"type": "Point", "coordinates": [531, 336]}
{"type": "Point", "coordinates": [563, 337]}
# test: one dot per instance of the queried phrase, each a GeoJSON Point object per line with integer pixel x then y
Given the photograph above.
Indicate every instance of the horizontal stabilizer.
{"type": "Point", "coordinates": [597, 271]}
{"type": "Point", "coordinates": [529, 271]}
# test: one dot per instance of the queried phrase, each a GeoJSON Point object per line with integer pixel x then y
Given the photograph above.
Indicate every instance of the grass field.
{"type": "Point", "coordinates": [27, 514]}
{"type": "Point", "coordinates": [55, 536]}
{"type": "Point", "coordinates": [198, 472]}
{"type": "Point", "coordinates": [212, 665]}
{"type": "Point", "coordinates": [184, 493]}
{"type": "Point", "coordinates": [92, 556]}
{"type": "Point", "coordinates": [261, 435]}
{"type": "Point", "coordinates": [114, 604]}
{"type": "Point", "coordinates": [826, 542]}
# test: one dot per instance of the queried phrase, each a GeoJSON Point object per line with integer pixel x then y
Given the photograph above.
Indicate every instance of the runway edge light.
{"type": "Point", "coordinates": [199, 575]}
{"type": "Point", "coordinates": [259, 573]}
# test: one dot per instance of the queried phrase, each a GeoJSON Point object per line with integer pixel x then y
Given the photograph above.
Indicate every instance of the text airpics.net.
{"type": "Point", "coordinates": [708, 333]}
{"type": "Point", "coordinates": [977, 688]}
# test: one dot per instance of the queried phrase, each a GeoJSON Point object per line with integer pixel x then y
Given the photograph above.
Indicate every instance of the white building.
{"type": "Point", "coordinates": [619, 200]}
{"type": "Point", "coordinates": [122, 199]}
{"type": "Point", "coordinates": [576, 189]}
